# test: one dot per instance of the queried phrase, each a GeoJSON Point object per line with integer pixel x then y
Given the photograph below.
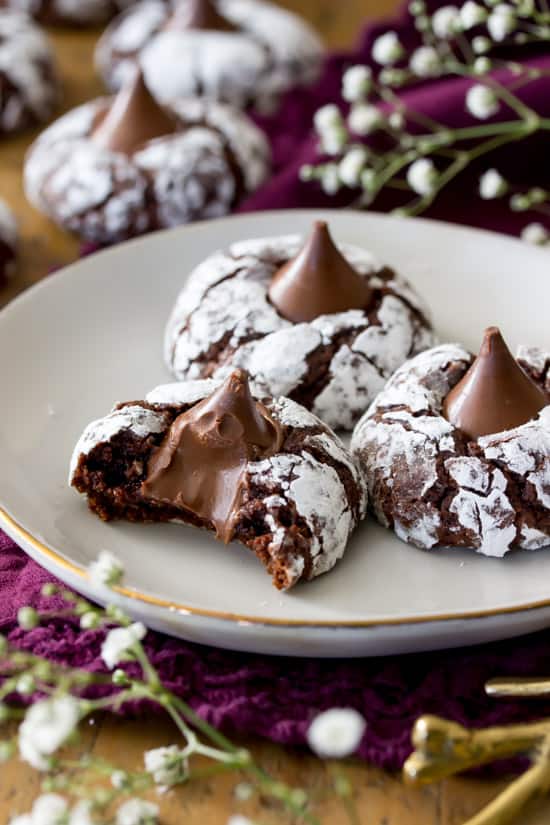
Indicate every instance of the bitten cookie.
{"type": "Point", "coordinates": [456, 451]}
{"type": "Point", "coordinates": [29, 88]}
{"type": "Point", "coordinates": [268, 474]}
{"type": "Point", "coordinates": [113, 169]}
{"type": "Point", "coordinates": [321, 324]}
{"type": "Point", "coordinates": [245, 52]}
{"type": "Point", "coordinates": [69, 12]}
{"type": "Point", "coordinates": [8, 242]}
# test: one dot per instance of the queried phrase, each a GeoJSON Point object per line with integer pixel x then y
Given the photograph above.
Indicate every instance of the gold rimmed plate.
{"type": "Point", "coordinates": [91, 335]}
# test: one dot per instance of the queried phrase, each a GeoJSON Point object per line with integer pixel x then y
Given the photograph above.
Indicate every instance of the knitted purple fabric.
{"type": "Point", "coordinates": [275, 697]}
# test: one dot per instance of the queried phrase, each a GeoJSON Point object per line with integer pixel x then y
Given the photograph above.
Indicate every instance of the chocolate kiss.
{"type": "Point", "coordinates": [495, 394]}
{"type": "Point", "coordinates": [198, 14]}
{"type": "Point", "coordinates": [319, 281]}
{"type": "Point", "coordinates": [133, 118]}
{"type": "Point", "coordinates": [200, 464]}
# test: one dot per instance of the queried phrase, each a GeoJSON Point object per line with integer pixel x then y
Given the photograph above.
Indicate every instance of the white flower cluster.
{"type": "Point", "coordinates": [52, 809]}
{"type": "Point", "coordinates": [168, 765]}
{"type": "Point", "coordinates": [107, 570]}
{"type": "Point", "coordinates": [119, 643]}
{"type": "Point", "coordinates": [46, 727]}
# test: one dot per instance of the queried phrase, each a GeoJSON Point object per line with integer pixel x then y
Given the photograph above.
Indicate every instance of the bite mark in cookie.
{"type": "Point", "coordinates": [266, 473]}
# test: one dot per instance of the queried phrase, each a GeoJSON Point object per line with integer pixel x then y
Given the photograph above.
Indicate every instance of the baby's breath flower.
{"type": "Point", "coordinates": [48, 809]}
{"type": "Point", "coordinates": [47, 725]}
{"type": "Point", "coordinates": [49, 589]}
{"type": "Point", "coordinates": [137, 812]}
{"type": "Point", "coordinates": [89, 620]}
{"type": "Point", "coordinates": [425, 62]}
{"type": "Point", "coordinates": [481, 102]}
{"type": "Point", "coordinates": [535, 233]}
{"type": "Point", "coordinates": [520, 203]}
{"type": "Point", "coordinates": [26, 684]}
{"type": "Point", "coordinates": [482, 65]}
{"type": "Point", "coordinates": [336, 733]}
{"type": "Point", "coordinates": [480, 44]}
{"type": "Point", "coordinates": [472, 14]}
{"type": "Point", "coordinates": [356, 83]}
{"type": "Point", "coordinates": [119, 780]}
{"type": "Point", "coordinates": [501, 21]}
{"type": "Point", "coordinates": [168, 766]}
{"type": "Point", "coordinates": [327, 117]}
{"type": "Point", "coordinates": [107, 570]}
{"type": "Point", "coordinates": [81, 814]}
{"type": "Point", "coordinates": [492, 185]}
{"type": "Point", "coordinates": [446, 22]}
{"type": "Point", "coordinates": [3, 645]}
{"type": "Point", "coordinates": [238, 819]}
{"type": "Point", "coordinates": [307, 173]}
{"type": "Point", "coordinates": [333, 141]}
{"type": "Point", "coordinates": [364, 119]}
{"type": "Point", "coordinates": [243, 791]}
{"type": "Point", "coordinates": [387, 49]}
{"type": "Point", "coordinates": [27, 618]}
{"type": "Point", "coordinates": [396, 120]}
{"type": "Point", "coordinates": [330, 179]}
{"type": "Point", "coordinates": [351, 166]}
{"type": "Point", "coordinates": [422, 176]}
{"type": "Point", "coordinates": [417, 7]}
{"type": "Point", "coordinates": [119, 642]}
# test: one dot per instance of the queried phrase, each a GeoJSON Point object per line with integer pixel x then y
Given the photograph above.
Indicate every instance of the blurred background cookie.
{"type": "Point", "coordinates": [115, 168]}
{"type": "Point", "coordinates": [29, 88]}
{"type": "Point", "coordinates": [245, 52]}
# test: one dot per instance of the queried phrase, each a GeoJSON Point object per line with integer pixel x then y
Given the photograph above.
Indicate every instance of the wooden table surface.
{"type": "Point", "coordinates": [381, 798]}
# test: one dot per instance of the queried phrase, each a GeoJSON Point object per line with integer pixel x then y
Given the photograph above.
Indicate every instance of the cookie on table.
{"type": "Point", "coordinates": [8, 242]}
{"type": "Point", "coordinates": [244, 52]}
{"type": "Point", "coordinates": [324, 325]}
{"type": "Point", "coordinates": [267, 474]}
{"type": "Point", "coordinates": [69, 12]}
{"type": "Point", "coordinates": [29, 87]}
{"type": "Point", "coordinates": [116, 168]}
{"type": "Point", "coordinates": [456, 450]}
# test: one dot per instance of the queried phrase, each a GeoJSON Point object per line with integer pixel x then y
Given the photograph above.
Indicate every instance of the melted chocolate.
{"type": "Point", "coordinates": [200, 464]}
{"type": "Point", "coordinates": [319, 281]}
{"type": "Point", "coordinates": [133, 119]}
{"type": "Point", "coordinates": [495, 394]}
{"type": "Point", "coordinates": [199, 14]}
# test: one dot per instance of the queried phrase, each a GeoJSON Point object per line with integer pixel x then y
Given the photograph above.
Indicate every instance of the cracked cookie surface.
{"type": "Point", "coordinates": [436, 487]}
{"type": "Point", "coordinates": [334, 365]}
{"type": "Point", "coordinates": [297, 508]}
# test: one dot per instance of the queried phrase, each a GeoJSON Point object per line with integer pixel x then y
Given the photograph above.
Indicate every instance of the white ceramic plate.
{"type": "Point", "coordinates": [91, 335]}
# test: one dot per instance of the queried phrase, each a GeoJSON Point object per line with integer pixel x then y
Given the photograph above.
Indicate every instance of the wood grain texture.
{"type": "Point", "coordinates": [381, 798]}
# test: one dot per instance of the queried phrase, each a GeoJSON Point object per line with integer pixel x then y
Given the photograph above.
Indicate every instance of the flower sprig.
{"type": "Point", "coordinates": [381, 143]}
{"type": "Point", "coordinates": [49, 702]}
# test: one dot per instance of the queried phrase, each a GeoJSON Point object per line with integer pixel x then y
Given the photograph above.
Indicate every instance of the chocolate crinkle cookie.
{"type": "Point", "coordinates": [324, 325]}
{"type": "Point", "coordinates": [29, 87]}
{"type": "Point", "coordinates": [265, 473]}
{"type": "Point", "coordinates": [8, 242]}
{"type": "Point", "coordinates": [245, 52]}
{"type": "Point", "coordinates": [456, 450]}
{"type": "Point", "coordinates": [69, 12]}
{"type": "Point", "coordinates": [115, 168]}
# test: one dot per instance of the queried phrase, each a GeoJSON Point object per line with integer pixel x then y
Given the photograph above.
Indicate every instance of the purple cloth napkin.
{"type": "Point", "coordinates": [275, 697]}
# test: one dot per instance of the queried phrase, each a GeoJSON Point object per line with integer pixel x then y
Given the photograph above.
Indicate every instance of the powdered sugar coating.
{"type": "Point", "coordinates": [437, 488]}
{"type": "Point", "coordinates": [105, 196]}
{"type": "Point", "coordinates": [30, 86]}
{"type": "Point", "coordinates": [271, 51]}
{"type": "Point", "coordinates": [224, 309]}
{"type": "Point", "coordinates": [309, 479]}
